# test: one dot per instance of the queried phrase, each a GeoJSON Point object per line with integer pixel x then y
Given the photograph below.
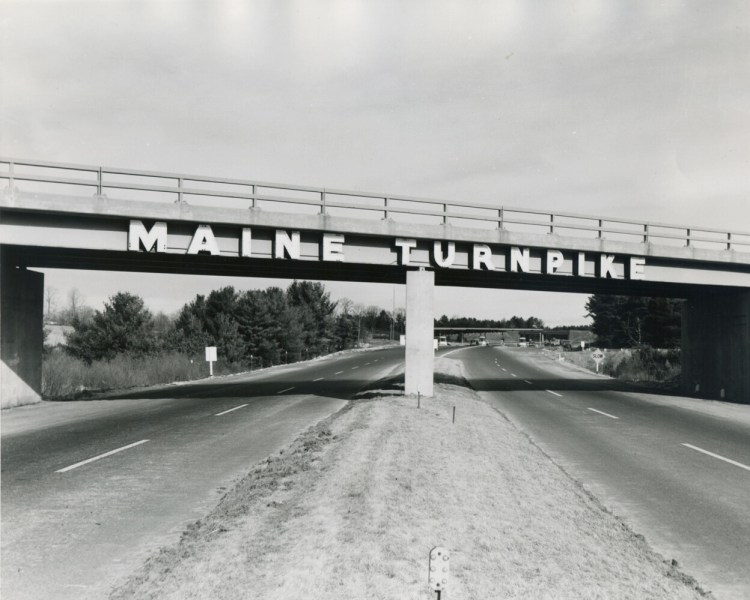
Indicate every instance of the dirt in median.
{"type": "Point", "coordinates": [353, 507]}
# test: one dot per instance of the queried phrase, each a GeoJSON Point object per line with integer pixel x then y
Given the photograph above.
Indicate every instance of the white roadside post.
{"type": "Point", "coordinates": [211, 357]}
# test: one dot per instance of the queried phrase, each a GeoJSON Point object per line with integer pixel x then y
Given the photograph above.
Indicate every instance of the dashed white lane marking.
{"type": "Point", "coordinates": [527, 381]}
{"type": "Point", "coordinates": [100, 456]}
{"type": "Point", "coordinates": [230, 410]}
{"type": "Point", "coordinates": [338, 372]}
{"type": "Point", "coordinates": [355, 368]}
{"type": "Point", "coordinates": [319, 379]}
{"type": "Point", "coordinates": [728, 460]}
{"type": "Point", "coordinates": [504, 369]}
{"type": "Point", "coordinates": [286, 390]}
{"type": "Point", "coordinates": [514, 375]}
{"type": "Point", "coordinates": [554, 393]}
{"type": "Point", "coordinates": [601, 412]}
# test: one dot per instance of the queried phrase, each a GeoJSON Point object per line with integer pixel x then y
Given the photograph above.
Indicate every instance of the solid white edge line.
{"type": "Point", "coordinates": [601, 412]}
{"type": "Point", "coordinates": [286, 390]}
{"type": "Point", "coordinates": [319, 379]}
{"type": "Point", "coordinates": [728, 460]}
{"type": "Point", "coordinates": [554, 393]}
{"type": "Point", "coordinates": [230, 410]}
{"type": "Point", "coordinates": [100, 456]}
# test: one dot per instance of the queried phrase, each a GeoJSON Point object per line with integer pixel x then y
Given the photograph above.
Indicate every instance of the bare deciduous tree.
{"type": "Point", "coordinates": [50, 301]}
{"type": "Point", "coordinates": [75, 302]}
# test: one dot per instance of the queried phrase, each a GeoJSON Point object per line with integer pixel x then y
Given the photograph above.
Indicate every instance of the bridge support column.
{"type": "Point", "coordinates": [420, 332]}
{"type": "Point", "coordinates": [716, 346]}
{"type": "Point", "coordinates": [21, 334]}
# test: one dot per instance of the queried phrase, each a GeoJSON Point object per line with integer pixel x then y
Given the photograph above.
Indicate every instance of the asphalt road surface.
{"type": "Point", "coordinates": [89, 489]}
{"type": "Point", "coordinates": [677, 473]}
{"type": "Point", "coordinates": [73, 526]}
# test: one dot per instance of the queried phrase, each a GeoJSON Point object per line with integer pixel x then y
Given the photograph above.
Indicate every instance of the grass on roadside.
{"type": "Point", "coordinates": [66, 377]}
{"type": "Point", "coordinates": [641, 365]}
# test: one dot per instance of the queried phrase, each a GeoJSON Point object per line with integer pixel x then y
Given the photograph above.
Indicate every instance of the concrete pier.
{"type": "Point", "coordinates": [716, 346]}
{"type": "Point", "coordinates": [21, 335]}
{"type": "Point", "coordinates": [420, 328]}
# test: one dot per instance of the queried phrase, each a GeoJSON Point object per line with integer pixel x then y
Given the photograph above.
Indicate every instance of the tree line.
{"type": "Point", "coordinates": [249, 328]}
{"type": "Point", "coordinates": [274, 325]}
{"type": "Point", "coordinates": [471, 322]}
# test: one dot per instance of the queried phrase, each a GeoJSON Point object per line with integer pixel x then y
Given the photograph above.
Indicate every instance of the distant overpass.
{"type": "Point", "coordinates": [55, 215]}
{"type": "Point", "coordinates": [487, 330]}
{"type": "Point", "coordinates": [535, 334]}
{"type": "Point", "coordinates": [544, 330]}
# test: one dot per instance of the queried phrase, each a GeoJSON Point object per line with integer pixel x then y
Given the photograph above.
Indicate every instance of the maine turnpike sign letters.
{"type": "Point", "coordinates": [331, 247]}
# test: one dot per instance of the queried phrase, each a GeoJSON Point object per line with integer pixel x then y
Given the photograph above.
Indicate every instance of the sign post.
{"type": "Point", "coordinates": [210, 358]}
{"type": "Point", "coordinates": [598, 357]}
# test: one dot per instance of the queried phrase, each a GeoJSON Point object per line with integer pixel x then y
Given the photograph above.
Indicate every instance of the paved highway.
{"type": "Point", "coordinates": [89, 489]}
{"type": "Point", "coordinates": [676, 472]}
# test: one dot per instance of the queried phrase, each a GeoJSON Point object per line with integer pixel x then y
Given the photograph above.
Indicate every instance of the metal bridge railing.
{"type": "Point", "coordinates": [62, 178]}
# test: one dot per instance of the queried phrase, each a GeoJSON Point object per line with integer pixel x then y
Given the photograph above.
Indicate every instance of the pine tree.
{"type": "Point", "coordinates": [625, 321]}
{"type": "Point", "coordinates": [125, 326]}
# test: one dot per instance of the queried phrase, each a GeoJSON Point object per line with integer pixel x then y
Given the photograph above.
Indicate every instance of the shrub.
{"type": "Point", "coordinates": [643, 364]}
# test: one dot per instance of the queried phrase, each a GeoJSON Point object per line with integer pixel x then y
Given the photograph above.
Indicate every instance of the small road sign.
{"type": "Point", "coordinates": [598, 357]}
{"type": "Point", "coordinates": [211, 357]}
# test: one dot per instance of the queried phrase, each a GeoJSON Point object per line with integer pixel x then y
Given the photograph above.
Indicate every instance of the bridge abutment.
{"type": "Point", "coordinates": [716, 346]}
{"type": "Point", "coordinates": [420, 332]}
{"type": "Point", "coordinates": [21, 335]}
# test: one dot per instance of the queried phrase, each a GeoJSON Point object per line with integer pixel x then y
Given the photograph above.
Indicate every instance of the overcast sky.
{"type": "Point", "coordinates": [629, 109]}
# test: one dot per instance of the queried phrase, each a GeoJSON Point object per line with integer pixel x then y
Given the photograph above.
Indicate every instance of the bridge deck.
{"type": "Point", "coordinates": [218, 192]}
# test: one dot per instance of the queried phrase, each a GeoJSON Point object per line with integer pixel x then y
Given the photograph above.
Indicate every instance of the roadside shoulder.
{"type": "Point", "coordinates": [731, 411]}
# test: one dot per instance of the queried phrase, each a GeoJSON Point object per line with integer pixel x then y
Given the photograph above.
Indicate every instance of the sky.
{"type": "Point", "coordinates": [620, 109]}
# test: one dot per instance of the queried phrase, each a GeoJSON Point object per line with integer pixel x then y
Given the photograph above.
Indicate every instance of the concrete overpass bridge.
{"type": "Point", "coordinates": [55, 215]}
{"type": "Point", "coordinates": [483, 331]}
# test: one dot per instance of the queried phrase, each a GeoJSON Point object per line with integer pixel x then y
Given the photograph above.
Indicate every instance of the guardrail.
{"type": "Point", "coordinates": [52, 177]}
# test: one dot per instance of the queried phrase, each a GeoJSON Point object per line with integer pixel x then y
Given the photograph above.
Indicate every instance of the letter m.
{"type": "Point", "coordinates": [154, 240]}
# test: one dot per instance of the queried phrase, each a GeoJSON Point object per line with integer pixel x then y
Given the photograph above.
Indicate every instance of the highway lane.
{"type": "Point", "coordinates": [90, 488]}
{"type": "Point", "coordinates": [643, 457]}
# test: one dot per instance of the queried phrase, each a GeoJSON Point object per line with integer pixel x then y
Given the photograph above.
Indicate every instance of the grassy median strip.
{"type": "Point", "coordinates": [353, 507]}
